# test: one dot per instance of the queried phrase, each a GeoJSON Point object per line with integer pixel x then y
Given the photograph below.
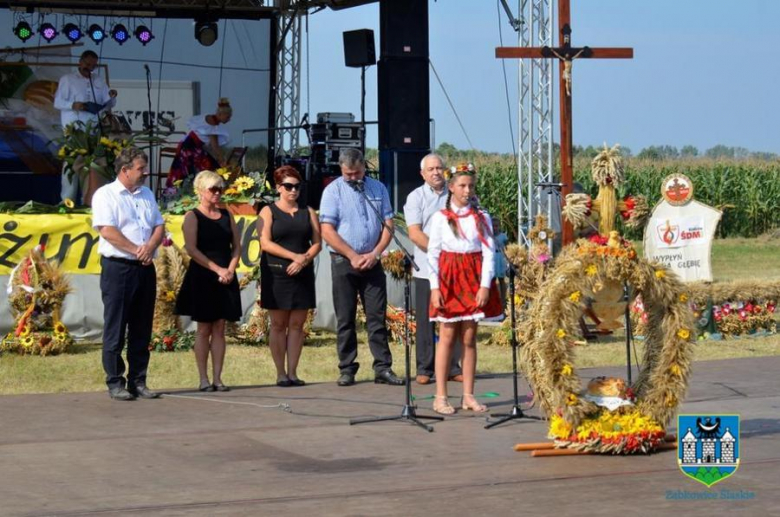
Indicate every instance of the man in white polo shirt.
{"type": "Point", "coordinates": [421, 204]}
{"type": "Point", "coordinates": [130, 225]}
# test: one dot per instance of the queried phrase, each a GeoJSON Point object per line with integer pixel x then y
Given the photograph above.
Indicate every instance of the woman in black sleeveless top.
{"type": "Point", "coordinates": [209, 293]}
{"type": "Point", "coordinates": [290, 239]}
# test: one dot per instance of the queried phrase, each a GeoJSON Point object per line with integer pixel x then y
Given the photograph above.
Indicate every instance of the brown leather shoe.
{"type": "Point", "coordinates": [456, 378]}
{"type": "Point", "coordinates": [423, 379]}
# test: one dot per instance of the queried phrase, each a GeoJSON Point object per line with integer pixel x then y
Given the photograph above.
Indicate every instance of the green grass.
{"type": "Point", "coordinates": [247, 366]}
{"type": "Point", "coordinates": [82, 370]}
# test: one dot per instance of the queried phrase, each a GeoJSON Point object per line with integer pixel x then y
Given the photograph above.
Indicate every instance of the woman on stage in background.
{"type": "Point", "coordinates": [290, 239]}
{"type": "Point", "coordinates": [463, 290]}
{"type": "Point", "coordinates": [201, 149]}
{"type": "Point", "coordinates": [209, 293]}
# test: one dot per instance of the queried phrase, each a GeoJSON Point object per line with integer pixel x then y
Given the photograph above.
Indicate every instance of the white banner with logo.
{"type": "Point", "coordinates": [681, 238]}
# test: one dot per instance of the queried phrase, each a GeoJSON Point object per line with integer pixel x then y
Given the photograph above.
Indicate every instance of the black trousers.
{"type": "Point", "coordinates": [424, 345]}
{"type": "Point", "coordinates": [129, 291]}
{"type": "Point", "coordinates": [371, 286]}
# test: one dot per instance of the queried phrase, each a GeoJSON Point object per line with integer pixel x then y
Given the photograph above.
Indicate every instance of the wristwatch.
{"type": "Point", "coordinates": [378, 257]}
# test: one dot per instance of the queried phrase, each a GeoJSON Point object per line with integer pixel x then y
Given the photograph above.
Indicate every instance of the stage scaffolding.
{"type": "Point", "coordinates": [535, 163]}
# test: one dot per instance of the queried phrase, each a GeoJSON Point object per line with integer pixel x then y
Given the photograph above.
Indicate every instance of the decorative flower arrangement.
{"type": "Point", "coordinates": [736, 318]}
{"type": "Point", "coordinates": [735, 308]}
{"type": "Point", "coordinates": [393, 263]}
{"type": "Point", "coordinates": [394, 318]}
{"type": "Point", "coordinates": [82, 147]}
{"type": "Point", "coordinates": [623, 431]}
{"type": "Point", "coordinates": [240, 187]}
{"type": "Point", "coordinates": [170, 266]}
{"type": "Point", "coordinates": [552, 326]}
{"type": "Point", "coordinates": [38, 289]}
{"type": "Point", "coordinates": [172, 340]}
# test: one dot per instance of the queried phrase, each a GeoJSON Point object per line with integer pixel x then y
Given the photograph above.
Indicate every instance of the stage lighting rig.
{"type": "Point", "coordinates": [120, 33]}
{"type": "Point", "coordinates": [143, 34]}
{"type": "Point", "coordinates": [206, 32]}
{"type": "Point", "coordinates": [96, 33]}
{"type": "Point", "coordinates": [23, 31]}
{"type": "Point", "coordinates": [47, 31]}
{"type": "Point", "coordinates": [72, 32]}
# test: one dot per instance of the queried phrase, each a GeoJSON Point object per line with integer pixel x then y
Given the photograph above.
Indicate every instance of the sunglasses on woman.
{"type": "Point", "coordinates": [215, 190]}
{"type": "Point", "coordinates": [291, 186]}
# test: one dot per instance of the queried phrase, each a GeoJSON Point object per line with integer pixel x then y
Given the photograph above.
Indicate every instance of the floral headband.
{"type": "Point", "coordinates": [460, 170]}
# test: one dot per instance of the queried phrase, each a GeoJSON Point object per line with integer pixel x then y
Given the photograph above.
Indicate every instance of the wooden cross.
{"type": "Point", "coordinates": [565, 54]}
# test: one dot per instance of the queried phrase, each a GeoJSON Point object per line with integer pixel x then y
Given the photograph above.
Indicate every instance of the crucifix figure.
{"type": "Point", "coordinates": [565, 54]}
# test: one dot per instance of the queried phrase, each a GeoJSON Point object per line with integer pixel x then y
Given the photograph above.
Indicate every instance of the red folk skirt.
{"type": "Point", "coordinates": [459, 279]}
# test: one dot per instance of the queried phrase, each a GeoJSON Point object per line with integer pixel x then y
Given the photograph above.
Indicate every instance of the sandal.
{"type": "Point", "coordinates": [221, 387]}
{"type": "Point", "coordinates": [441, 405]}
{"type": "Point", "coordinates": [472, 404]}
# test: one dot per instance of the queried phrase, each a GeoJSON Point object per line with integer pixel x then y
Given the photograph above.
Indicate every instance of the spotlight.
{"type": "Point", "coordinates": [48, 32]}
{"type": "Point", "coordinates": [206, 32]}
{"type": "Point", "coordinates": [96, 33]}
{"type": "Point", "coordinates": [23, 31]}
{"type": "Point", "coordinates": [72, 32]}
{"type": "Point", "coordinates": [143, 34]}
{"type": "Point", "coordinates": [120, 34]}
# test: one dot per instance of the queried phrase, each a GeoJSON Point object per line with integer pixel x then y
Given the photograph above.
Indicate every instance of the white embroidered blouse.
{"type": "Point", "coordinates": [442, 238]}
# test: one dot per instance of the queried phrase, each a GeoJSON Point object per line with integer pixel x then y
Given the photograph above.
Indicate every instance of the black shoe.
{"type": "Point", "coordinates": [298, 382]}
{"type": "Point", "coordinates": [346, 379]}
{"type": "Point", "coordinates": [284, 383]}
{"type": "Point", "coordinates": [120, 394]}
{"type": "Point", "coordinates": [220, 387]}
{"type": "Point", "coordinates": [206, 386]}
{"type": "Point", "coordinates": [388, 377]}
{"type": "Point", "coordinates": [143, 392]}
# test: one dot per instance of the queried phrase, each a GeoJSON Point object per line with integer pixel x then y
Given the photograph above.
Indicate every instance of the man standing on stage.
{"type": "Point", "coordinates": [80, 97]}
{"type": "Point", "coordinates": [130, 225]}
{"type": "Point", "coordinates": [421, 204]}
{"type": "Point", "coordinates": [356, 237]}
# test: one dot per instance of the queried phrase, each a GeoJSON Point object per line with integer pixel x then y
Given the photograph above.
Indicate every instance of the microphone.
{"type": "Point", "coordinates": [356, 185]}
{"type": "Point", "coordinates": [146, 67]}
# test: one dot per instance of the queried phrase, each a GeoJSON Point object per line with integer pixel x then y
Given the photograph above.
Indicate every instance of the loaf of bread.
{"type": "Point", "coordinates": [607, 387]}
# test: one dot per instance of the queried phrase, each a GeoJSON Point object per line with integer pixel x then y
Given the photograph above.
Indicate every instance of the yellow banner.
{"type": "Point", "coordinates": [70, 239]}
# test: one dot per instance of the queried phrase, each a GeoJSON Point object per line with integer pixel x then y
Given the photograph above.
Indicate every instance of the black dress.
{"type": "Point", "coordinates": [278, 290]}
{"type": "Point", "coordinates": [202, 296]}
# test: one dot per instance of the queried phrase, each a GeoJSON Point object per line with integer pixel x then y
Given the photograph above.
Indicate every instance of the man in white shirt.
{"type": "Point", "coordinates": [421, 204]}
{"type": "Point", "coordinates": [77, 95]}
{"type": "Point", "coordinates": [126, 216]}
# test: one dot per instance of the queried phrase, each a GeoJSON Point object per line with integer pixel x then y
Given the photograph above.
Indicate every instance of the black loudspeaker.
{"type": "Point", "coordinates": [400, 170]}
{"type": "Point", "coordinates": [403, 28]}
{"type": "Point", "coordinates": [359, 48]}
{"type": "Point", "coordinates": [404, 104]}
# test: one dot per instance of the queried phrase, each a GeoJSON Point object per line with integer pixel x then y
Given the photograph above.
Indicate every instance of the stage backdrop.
{"type": "Point", "coordinates": [70, 239]}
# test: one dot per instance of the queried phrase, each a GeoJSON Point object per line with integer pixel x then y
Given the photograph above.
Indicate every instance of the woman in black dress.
{"type": "Point", "coordinates": [290, 239]}
{"type": "Point", "coordinates": [209, 293]}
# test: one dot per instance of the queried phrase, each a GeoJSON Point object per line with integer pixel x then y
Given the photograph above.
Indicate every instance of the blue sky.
{"type": "Point", "coordinates": [705, 72]}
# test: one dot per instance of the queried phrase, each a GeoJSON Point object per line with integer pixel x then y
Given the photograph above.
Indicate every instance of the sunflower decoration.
{"type": "Point", "coordinates": [37, 290]}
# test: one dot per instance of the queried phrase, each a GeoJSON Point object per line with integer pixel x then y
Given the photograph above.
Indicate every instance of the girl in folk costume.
{"type": "Point", "coordinates": [463, 290]}
{"type": "Point", "coordinates": [201, 149]}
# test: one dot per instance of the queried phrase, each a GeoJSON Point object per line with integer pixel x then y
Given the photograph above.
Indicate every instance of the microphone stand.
{"type": "Point", "coordinates": [409, 411]}
{"type": "Point", "coordinates": [150, 122]}
{"type": "Point", "coordinates": [517, 411]}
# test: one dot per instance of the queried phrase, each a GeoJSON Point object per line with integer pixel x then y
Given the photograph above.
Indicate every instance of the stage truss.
{"type": "Point", "coordinates": [535, 163]}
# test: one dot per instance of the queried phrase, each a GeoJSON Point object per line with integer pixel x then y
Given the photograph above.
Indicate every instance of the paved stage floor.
{"type": "Point", "coordinates": [239, 453]}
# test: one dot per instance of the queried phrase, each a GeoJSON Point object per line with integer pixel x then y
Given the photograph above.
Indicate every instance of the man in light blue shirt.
{"type": "Point", "coordinates": [357, 221]}
{"type": "Point", "coordinates": [421, 204]}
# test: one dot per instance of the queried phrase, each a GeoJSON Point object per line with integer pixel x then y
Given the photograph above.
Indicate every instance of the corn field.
{"type": "Point", "coordinates": [748, 192]}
